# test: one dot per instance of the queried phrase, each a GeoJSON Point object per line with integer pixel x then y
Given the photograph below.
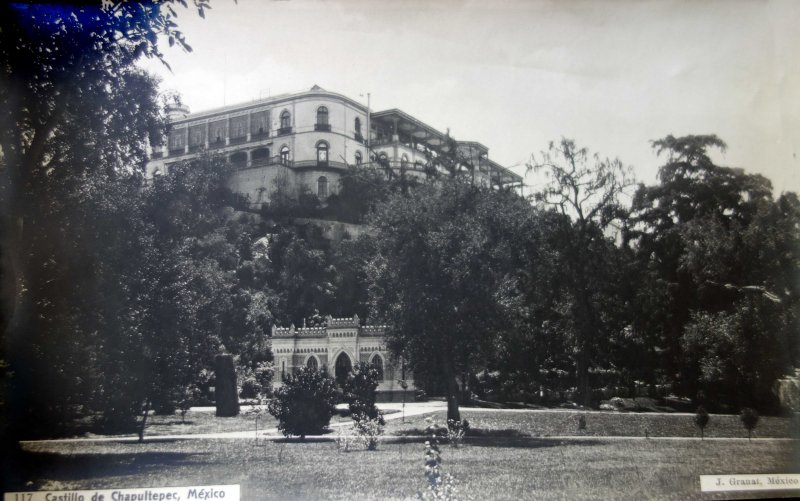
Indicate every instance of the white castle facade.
{"type": "Point", "coordinates": [309, 139]}
{"type": "Point", "coordinates": [335, 347]}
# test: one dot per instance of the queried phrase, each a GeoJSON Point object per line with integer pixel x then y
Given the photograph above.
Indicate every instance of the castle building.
{"type": "Point", "coordinates": [307, 141]}
{"type": "Point", "coordinates": [335, 347]}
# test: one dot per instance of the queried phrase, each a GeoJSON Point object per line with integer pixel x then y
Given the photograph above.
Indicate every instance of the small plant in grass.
{"type": "Point", "coordinates": [701, 420]}
{"type": "Point", "coordinates": [305, 403]}
{"type": "Point", "coordinates": [441, 487]}
{"type": "Point", "coordinates": [456, 430]}
{"type": "Point", "coordinates": [189, 395]}
{"type": "Point", "coordinates": [749, 419]}
{"type": "Point", "coordinates": [343, 441]}
{"type": "Point", "coordinates": [368, 432]}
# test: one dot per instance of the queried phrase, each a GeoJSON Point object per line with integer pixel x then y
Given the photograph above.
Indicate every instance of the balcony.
{"type": "Point", "coordinates": [238, 140]}
{"type": "Point", "coordinates": [322, 127]}
{"type": "Point", "coordinates": [195, 147]}
{"type": "Point", "coordinates": [217, 143]}
{"type": "Point", "coordinates": [174, 152]}
{"type": "Point", "coordinates": [258, 136]}
{"type": "Point", "coordinates": [285, 131]}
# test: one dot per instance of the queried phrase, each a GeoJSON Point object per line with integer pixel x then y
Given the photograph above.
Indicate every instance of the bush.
{"type": "Point", "coordinates": [360, 391]}
{"type": "Point", "coordinates": [701, 420]}
{"type": "Point", "coordinates": [369, 432]}
{"type": "Point", "coordinates": [251, 388]}
{"type": "Point", "coordinates": [456, 431]}
{"type": "Point", "coordinates": [749, 419]}
{"type": "Point", "coordinates": [305, 403]}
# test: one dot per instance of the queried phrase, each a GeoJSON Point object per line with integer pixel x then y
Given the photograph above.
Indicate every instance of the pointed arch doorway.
{"type": "Point", "coordinates": [342, 367]}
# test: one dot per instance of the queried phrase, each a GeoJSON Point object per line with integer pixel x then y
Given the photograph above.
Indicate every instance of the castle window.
{"type": "Point", "coordinates": [312, 363]}
{"type": "Point", "coordinates": [285, 155]}
{"type": "Point", "coordinates": [322, 115]}
{"type": "Point", "coordinates": [286, 123]}
{"type": "Point", "coordinates": [357, 126]}
{"type": "Point", "coordinates": [322, 187]}
{"type": "Point", "coordinates": [377, 362]}
{"type": "Point", "coordinates": [322, 153]}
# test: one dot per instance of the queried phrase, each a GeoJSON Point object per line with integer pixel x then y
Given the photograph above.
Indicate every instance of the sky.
{"type": "Point", "coordinates": [514, 75]}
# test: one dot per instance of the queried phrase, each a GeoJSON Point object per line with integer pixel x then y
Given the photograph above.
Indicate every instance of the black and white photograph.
{"type": "Point", "coordinates": [399, 250]}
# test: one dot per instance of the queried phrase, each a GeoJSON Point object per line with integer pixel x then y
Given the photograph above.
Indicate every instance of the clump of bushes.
{"type": "Point", "coordinates": [305, 403]}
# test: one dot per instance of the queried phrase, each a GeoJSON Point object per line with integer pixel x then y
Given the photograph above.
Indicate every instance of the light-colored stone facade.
{"type": "Point", "coordinates": [307, 141]}
{"type": "Point", "coordinates": [336, 347]}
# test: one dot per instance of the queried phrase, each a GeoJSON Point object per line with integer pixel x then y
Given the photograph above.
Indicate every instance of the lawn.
{"type": "Point", "coordinates": [505, 459]}
{"type": "Point", "coordinates": [604, 424]}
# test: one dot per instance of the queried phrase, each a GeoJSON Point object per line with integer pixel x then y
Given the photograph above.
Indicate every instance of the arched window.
{"type": "Point", "coordinates": [322, 187]}
{"type": "Point", "coordinates": [285, 155]}
{"type": "Point", "coordinates": [286, 119]}
{"type": "Point", "coordinates": [377, 362]}
{"type": "Point", "coordinates": [322, 153]}
{"type": "Point", "coordinates": [312, 363]}
{"type": "Point", "coordinates": [322, 115]}
{"type": "Point", "coordinates": [357, 126]}
{"type": "Point", "coordinates": [359, 158]}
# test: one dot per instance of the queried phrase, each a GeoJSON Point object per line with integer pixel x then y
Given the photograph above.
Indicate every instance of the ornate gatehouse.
{"type": "Point", "coordinates": [336, 346]}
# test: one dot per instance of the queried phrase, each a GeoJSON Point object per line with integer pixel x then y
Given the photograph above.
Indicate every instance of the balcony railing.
{"type": "Point", "coordinates": [174, 152]}
{"type": "Point", "coordinates": [264, 161]}
{"type": "Point", "coordinates": [322, 127]}
{"type": "Point", "coordinates": [284, 131]}
{"type": "Point", "coordinates": [258, 136]}
{"type": "Point", "coordinates": [238, 140]}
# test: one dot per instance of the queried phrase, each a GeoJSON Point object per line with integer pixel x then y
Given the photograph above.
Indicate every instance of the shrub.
{"type": "Point", "coordinates": [701, 420]}
{"type": "Point", "coordinates": [251, 388]}
{"type": "Point", "coordinates": [749, 419]}
{"type": "Point", "coordinates": [265, 374]}
{"type": "Point", "coordinates": [360, 391]}
{"type": "Point", "coordinates": [189, 396]}
{"type": "Point", "coordinates": [456, 431]}
{"type": "Point", "coordinates": [305, 403]}
{"type": "Point", "coordinates": [369, 432]}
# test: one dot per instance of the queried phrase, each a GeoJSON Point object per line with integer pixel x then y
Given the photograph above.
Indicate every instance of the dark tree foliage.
{"type": "Point", "coordinates": [77, 115]}
{"type": "Point", "coordinates": [718, 261]}
{"type": "Point", "coordinates": [305, 403]}
{"type": "Point", "coordinates": [444, 271]}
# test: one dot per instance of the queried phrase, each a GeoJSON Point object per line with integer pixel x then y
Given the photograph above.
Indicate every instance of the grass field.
{"type": "Point", "coordinates": [504, 460]}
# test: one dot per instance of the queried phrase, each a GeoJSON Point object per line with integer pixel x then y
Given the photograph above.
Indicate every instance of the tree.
{"type": "Point", "coordinates": [78, 116]}
{"type": "Point", "coordinates": [719, 257]}
{"type": "Point", "coordinates": [445, 265]}
{"type": "Point", "coordinates": [749, 418]}
{"type": "Point", "coordinates": [588, 189]}
{"type": "Point", "coordinates": [359, 391]}
{"type": "Point", "coordinates": [305, 403]}
{"type": "Point", "coordinates": [701, 420]}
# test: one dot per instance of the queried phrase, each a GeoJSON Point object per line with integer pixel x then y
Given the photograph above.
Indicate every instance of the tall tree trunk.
{"type": "Point", "coordinates": [452, 391]}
